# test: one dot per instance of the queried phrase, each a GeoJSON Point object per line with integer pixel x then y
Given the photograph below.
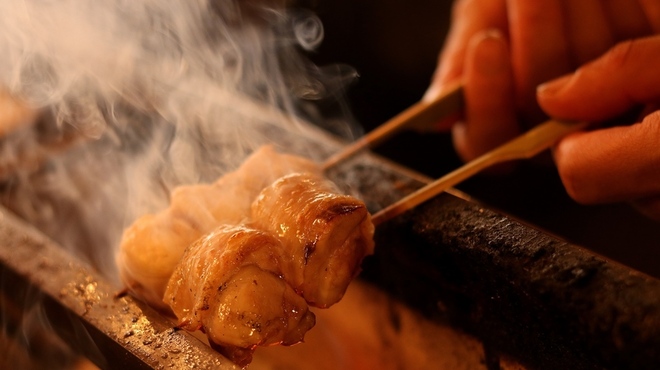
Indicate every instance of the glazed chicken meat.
{"type": "Point", "coordinates": [242, 259]}
{"type": "Point", "coordinates": [325, 234]}
{"type": "Point", "coordinates": [152, 246]}
{"type": "Point", "coordinates": [230, 284]}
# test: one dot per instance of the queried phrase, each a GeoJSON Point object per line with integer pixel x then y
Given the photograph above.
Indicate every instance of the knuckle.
{"type": "Point", "coordinates": [650, 127]}
{"type": "Point", "coordinates": [652, 123]}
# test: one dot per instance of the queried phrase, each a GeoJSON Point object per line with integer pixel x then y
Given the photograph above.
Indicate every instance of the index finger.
{"type": "Point", "coordinates": [626, 76]}
{"type": "Point", "coordinates": [468, 18]}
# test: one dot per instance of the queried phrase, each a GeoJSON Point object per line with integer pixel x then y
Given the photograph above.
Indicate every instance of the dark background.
{"type": "Point", "coordinates": [393, 45]}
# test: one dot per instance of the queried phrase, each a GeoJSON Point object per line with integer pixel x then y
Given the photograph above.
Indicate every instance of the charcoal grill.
{"type": "Point", "coordinates": [487, 290]}
{"type": "Point", "coordinates": [529, 299]}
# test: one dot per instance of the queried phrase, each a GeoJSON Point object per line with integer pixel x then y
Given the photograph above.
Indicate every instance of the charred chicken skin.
{"type": "Point", "coordinates": [229, 284]}
{"type": "Point", "coordinates": [152, 246]}
{"type": "Point", "coordinates": [326, 234]}
{"type": "Point", "coordinates": [242, 258]}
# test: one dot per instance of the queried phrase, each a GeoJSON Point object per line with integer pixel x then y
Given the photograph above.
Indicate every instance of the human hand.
{"type": "Point", "coordinates": [503, 49]}
{"type": "Point", "coordinates": [620, 163]}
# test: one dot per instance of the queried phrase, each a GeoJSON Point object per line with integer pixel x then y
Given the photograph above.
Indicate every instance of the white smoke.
{"type": "Point", "coordinates": [164, 91]}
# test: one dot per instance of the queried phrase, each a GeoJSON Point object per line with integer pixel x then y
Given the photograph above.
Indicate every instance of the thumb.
{"type": "Point", "coordinates": [624, 77]}
{"type": "Point", "coordinates": [614, 164]}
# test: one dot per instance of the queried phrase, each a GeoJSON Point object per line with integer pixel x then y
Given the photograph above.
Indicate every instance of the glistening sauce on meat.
{"type": "Point", "coordinates": [242, 258]}
{"type": "Point", "coordinates": [230, 285]}
{"type": "Point", "coordinates": [326, 233]}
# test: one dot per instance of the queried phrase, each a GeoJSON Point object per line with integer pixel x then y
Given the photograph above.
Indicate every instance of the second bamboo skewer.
{"type": "Point", "coordinates": [449, 103]}
{"type": "Point", "coordinates": [524, 146]}
{"type": "Point", "coordinates": [420, 115]}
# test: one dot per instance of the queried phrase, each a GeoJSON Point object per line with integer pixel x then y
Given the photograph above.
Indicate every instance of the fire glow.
{"type": "Point", "coordinates": [155, 94]}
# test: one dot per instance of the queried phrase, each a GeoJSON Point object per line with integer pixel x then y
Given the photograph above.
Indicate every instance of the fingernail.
{"type": "Point", "coordinates": [491, 56]}
{"type": "Point", "coordinates": [491, 53]}
{"type": "Point", "coordinates": [432, 93]}
{"type": "Point", "coordinates": [553, 87]}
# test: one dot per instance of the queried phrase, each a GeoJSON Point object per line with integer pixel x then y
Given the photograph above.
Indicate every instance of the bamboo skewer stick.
{"type": "Point", "coordinates": [524, 146]}
{"type": "Point", "coordinates": [419, 115]}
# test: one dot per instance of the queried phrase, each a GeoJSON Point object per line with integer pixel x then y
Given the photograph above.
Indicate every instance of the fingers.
{"type": "Point", "coordinates": [612, 165]}
{"type": "Point", "coordinates": [650, 207]}
{"type": "Point", "coordinates": [615, 164]}
{"type": "Point", "coordinates": [652, 10]}
{"type": "Point", "coordinates": [624, 77]}
{"type": "Point", "coordinates": [627, 19]}
{"type": "Point", "coordinates": [490, 117]}
{"type": "Point", "coordinates": [468, 18]}
{"type": "Point", "coordinates": [540, 50]}
{"type": "Point", "coordinates": [587, 29]}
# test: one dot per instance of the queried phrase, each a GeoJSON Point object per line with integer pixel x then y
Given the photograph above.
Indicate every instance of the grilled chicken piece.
{"type": "Point", "coordinates": [14, 113]}
{"type": "Point", "coordinates": [301, 243]}
{"type": "Point", "coordinates": [259, 170]}
{"type": "Point", "coordinates": [266, 165]}
{"type": "Point", "coordinates": [150, 250]}
{"type": "Point", "coordinates": [229, 284]}
{"type": "Point", "coordinates": [326, 235]}
{"type": "Point", "coordinates": [153, 245]}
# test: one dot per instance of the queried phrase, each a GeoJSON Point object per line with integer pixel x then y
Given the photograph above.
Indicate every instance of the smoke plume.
{"type": "Point", "coordinates": [153, 94]}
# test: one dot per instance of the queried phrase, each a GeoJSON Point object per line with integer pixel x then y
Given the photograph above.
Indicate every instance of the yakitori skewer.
{"type": "Point", "coordinates": [419, 115]}
{"type": "Point", "coordinates": [524, 146]}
